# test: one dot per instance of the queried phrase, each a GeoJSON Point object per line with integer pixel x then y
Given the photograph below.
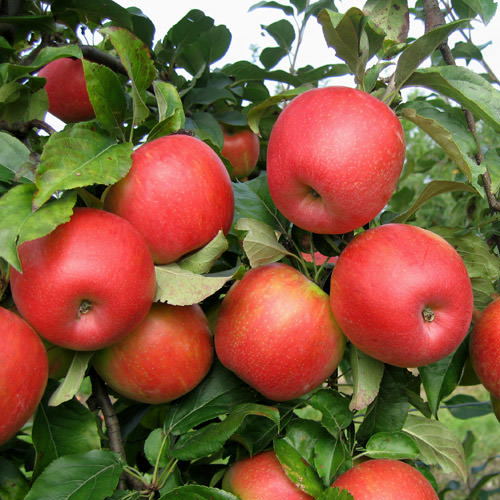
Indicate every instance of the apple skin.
{"type": "Point", "coordinates": [275, 330]}
{"type": "Point", "coordinates": [178, 194]}
{"type": "Point", "coordinates": [67, 91]}
{"type": "Point", "coordinates": [384, 283]}
{"type": "Point", "coordinates": [86, 284]}
{"type": "Point", "coordinates": [386, 479]}
{"type": "Point", "coordinates": [485, 348]}
{"type": "Point", "coordinates": [165, 357]}
{"type": "Point", "coordinates": [261, 477]}
{"type": "Point", "coordinates": [242, 149]}
{"type": "Point", "coordinates": [333, 160]}
{"type": "Point", "coordinates": [23, 373]}
{"type": "Point", "coordinates": [319, 258]}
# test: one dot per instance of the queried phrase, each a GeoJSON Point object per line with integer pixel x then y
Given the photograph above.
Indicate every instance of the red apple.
{"type": "Point", "coordinates": [67, 90]}
{"type": "Point", "coordinates": [23, 373]}
{"type": "Point", "coordinates": [386, 479]}
{"type": "Point", "coordinates": [261, 477]}
{"type": "Point", "coordinates": [178, 194]}
{"type": "Point", "coordinates": [402, 295]}
{"type": "Point", "coordinates": [242, 149]}
{"type": "Point", "coordinates": [275, 330]}
{"type": "Point", "coordinates": [485, 348]}
{"type": "Point", "coordinates": [333, 160]}
{"type": "Point", "coordinates": [165, 357]}
{"type": "Point", "coordinates": [319, 259]}
{"type": "Point", "coordinates": [86, 284]}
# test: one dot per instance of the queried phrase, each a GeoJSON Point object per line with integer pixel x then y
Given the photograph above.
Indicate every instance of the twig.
{"type": "Point", "coordinates": [100, 57]}
{"type": "Point", "coordinates": [23, 128]}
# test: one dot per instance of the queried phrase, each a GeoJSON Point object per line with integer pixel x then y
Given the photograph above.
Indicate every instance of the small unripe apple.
{"type": "Point", "coordinates": [261, 477]}
{"type": "Point", "coordinates": [401, 294]}
{"type": "Point", "coordinates": [334, 157]}
{"type": "Point", "coordinates": [275, 330]}
{"type": "Point", "coordinates": [165, 357]}
{"type": "Point", "coordinates": [67, 91]}
{"type": "Point", "coordinates": [178, 194]}
{"type": "Point", "coordinates": [241, 148]}
{"type": "Point", "coordinates": [23, 373]}
{"type": "Point", "coordinates": [86, 284]}
{"type": "Point", "coordinates": [386, 479]}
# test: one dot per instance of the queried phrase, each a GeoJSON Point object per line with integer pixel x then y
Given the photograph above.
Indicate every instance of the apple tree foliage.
{"type": "Point", "coordinates": [141, 91]}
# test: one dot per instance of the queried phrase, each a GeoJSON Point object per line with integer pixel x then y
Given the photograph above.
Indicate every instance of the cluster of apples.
{"type": "Point", "coordinates": [398, 292]}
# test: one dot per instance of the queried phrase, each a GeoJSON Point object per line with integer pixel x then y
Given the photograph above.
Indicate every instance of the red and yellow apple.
{"type": "Point", "coordinates": [241, 148]}
{"type": "Point", "coordinates": [275, 330]}
{"type": "Point", "coordinates": [261, 477]}
{"type": "Point", "coordinates": [178, 194]}
{"type": "Point", "coordinates": [165, 357]}
{"type": "Point", "coordinates": [23, 373]}
{"type": "Point", "coordinates": [86, 284]}
{"type": "Point", "coordinates": [67, 91]}
{"type": "Point", "coordinates": [402, 295]}
{"type": "Point", "coordinates": [386, 479]}
{"type": "Point", "coordinates": [334, 157]}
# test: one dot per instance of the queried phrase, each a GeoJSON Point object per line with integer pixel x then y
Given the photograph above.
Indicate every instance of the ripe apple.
{"type": "Point", "coordinates": [402, 295]}
{"type": "Point", "coordinates": [241, 148]}
{"type": "Point", "coordinates": [177, 193]}
{"type": "Point", "coordinates": [333, 160]}
{"type": "Point", "coordinates": [86, 284]}
{"type": "Point", "coordinates": [165, 357]}
{"type": "Point", "coordinates": [67, 90]}
{"type": "Point", "coordinates": [261, 477]}
{"type": "Point", "coordinates": [386, 479]}
{"type": "Point", "coordinates": [23, 373]}
{"type": "Point", "coordinates": [275, 330]}
{"type": "Point", "coordinates": [485, 348]}
{"type": "Point", "coordinates": [319, 259]}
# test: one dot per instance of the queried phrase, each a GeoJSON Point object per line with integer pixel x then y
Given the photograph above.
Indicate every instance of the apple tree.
{"type": "Point", "coordinates": [93, 429]}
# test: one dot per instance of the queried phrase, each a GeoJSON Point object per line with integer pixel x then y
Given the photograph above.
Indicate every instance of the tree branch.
{"type": "Point", "coordinates": [100, 57]}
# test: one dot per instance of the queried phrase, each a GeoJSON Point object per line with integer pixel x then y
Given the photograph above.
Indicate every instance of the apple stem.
{"type": "Point", "coordinates": [85, 307]}
{"type": "Point", "coordinates": [428, 314]}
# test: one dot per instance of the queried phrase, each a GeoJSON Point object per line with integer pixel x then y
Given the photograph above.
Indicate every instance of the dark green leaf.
{"type": "Point", "coordinates": [156, 448]}
{"type": "Point", "coordinates": [335, 494]}
{"type": "Point", "coordinates": [396, 445]}
{"type": "Point", "coordinates": [14, 155]}
{"type": "Point", "coordinates": [465, 406]}
{"type": "Point", "coordinates": [206, 128]}
{"type": "Point", "coordinates": [390, 16]}
{"type": "Point", "coordinates": [197, 492]}
{"type": "Point", "coordinates": [13, 485]}
{"type": "Point", "coordinates": [271, 56]}
{"type": "Point", "coordinates": [334, 409]}
{"type": "Point", "coordinates": [283, 33]}
{"type": "Point", "coordinates": [274, 5]}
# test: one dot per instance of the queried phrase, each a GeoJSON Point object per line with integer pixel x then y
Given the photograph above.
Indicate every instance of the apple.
{"type": "Point", "coordinates": [86, 284]}
{"type": "Point", "coordinates": [261, 477]}
{"type": "Point", "coordinates": [165, 357]}
{"type": "Point", "coordinates": [241, 148]}
{"type": "Point", "coordinates": [275, 330]}
{"type": "Point", "coordinates": [178, 194]}
{"type": "Point", "coordinates": [386, 479]}
{"type": "Point", "coordinates": [23, 373]}
{"type": "Point", "coordinates": [402, 295]}
{"type": "Point", "coordinates": [67, 91]}
{"type": "Point", "coordinates": [485, 348]}
{"type": "Point", "coordinates": [334, 157]}
{"type": "Point", "coordinates": [319, 259]}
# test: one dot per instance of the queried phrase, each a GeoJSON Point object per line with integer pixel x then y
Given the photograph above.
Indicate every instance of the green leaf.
{"type": "Point", "coordinates": [253, 201]}
{"type": "Point", "coordinates": [136, 59]}
{"type": "Point", "coordinates": [367, 374]}
{"type": "Point", "coordinates": [464, 86]}
{"type": "Point", "coordinates": [79, 156]}
{"type": "Point", "coordinates": [206, 127]}
{"type": "Point", "coordinates": [438, 445]}
{"type": "Point", "coordinates": [390, 16]}
{"type": "Point", "coordinates": [197, 492]}
{"type": "Point", "coordinates": [334, 409]}
{"type": "Point", "coordinates": [73, 379]}
{"type": "Point", "coordinates": [218, 393]}
{"type": "Point", "coordinates": [156, 448]}
{"type": "Point", "coordinates": [181, 287]}
{"type": "Point", "coordinates": [170, 111]}
{"type": "Point", "coordinates": [396, 445]}
{"type": "Point", "coordinates": [448, 133]}
{"type": "Point", "coordinates": [19, 223]}
{"type": "Point", "coordinates": [271, 56]}
{"type": "Point", "coordinates": [465, 406]}
{"type": "Point", "coordinates": [70, 428]}
{"type": "Point", "coordinates": [440, 379]}
{"type": "Point", "coordinates": [82, 476]}
{"type": "Point", "coordinates": [335, 494]}
{"type": "Point", "coordinates": [210, 438]}
{"type": "Point", "coordinates": [283, 33]}
{"type": "Point", "coordinates": [13, 485]}
{"type": "Point", "coordinates": [274, 5]}
{"type": "Point", "coordinates": [107, 97]}
{"type": "Point", "coordinates": [260, 242]}
{"type": "Point", "coordinates": [418, 51]}
{"type": "Point", "coordinates": [14, 155]}
{"type": "Point", "coordinates": [202, 261]}
{"type": "Point", "coordinates": [432, 189]}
